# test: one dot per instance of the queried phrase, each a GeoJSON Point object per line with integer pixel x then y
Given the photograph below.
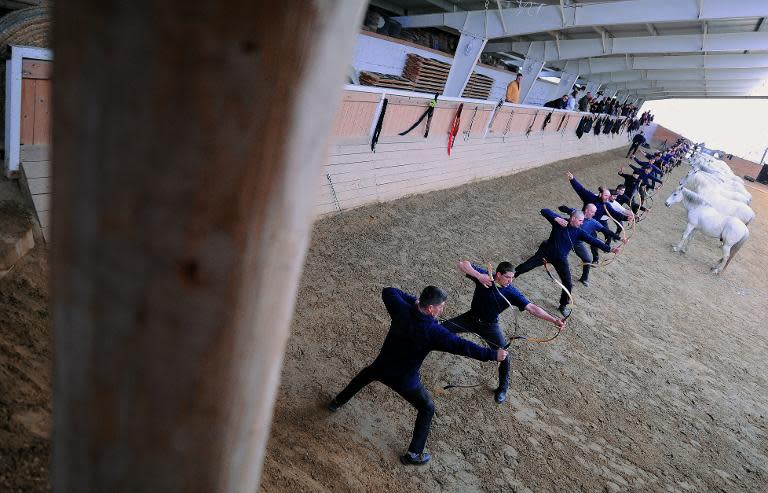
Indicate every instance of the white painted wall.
{"type": "Point", "coordinates": [649, 130]}
{"type": "Point", "coordinates": [541, 92]}
{"type": "Point", "coordinates": [374, 54]}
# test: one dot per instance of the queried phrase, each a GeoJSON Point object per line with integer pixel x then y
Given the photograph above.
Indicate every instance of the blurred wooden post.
{"type": "Point", "coordinates": [188, 136]}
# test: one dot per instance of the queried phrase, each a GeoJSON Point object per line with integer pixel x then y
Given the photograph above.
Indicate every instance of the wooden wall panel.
{"type": "Point", "coordinates": [36, 69]}
{"type": "Point", "coordinates": [42, 126]}
{"type": "Point", "coordinates": [355, 114]}
{"type": "Point", "coordinates": [28, 111]}
{"type": "Point", "coordinates": [504, 116]}
{"type": "Point", "coordinates": [404, 166]}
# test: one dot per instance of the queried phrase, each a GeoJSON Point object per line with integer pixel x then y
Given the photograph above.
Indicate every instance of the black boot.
{"type": "Point", "coordinates": [412, 459]}
{"type": "Point", "coordinates": [500, 395]}
{"type": "Point", "coordinates": [334, 405]}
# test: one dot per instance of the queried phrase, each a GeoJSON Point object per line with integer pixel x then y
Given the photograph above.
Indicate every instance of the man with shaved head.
{"type": "Point", "coordinates": [554, 250]}
{"type": "Point", "coordinates": [591, 226]}
{"type": "Point", "coordinates": [601, 201]}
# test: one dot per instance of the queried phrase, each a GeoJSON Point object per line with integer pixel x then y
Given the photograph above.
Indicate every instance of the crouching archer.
{"type": "Point", "coordinates": [413, 333]}
{"type": "Point", "coordinates": [492, 296]}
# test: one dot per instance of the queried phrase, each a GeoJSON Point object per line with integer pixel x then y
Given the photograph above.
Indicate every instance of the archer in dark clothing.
{"type": "Point", "coordinates": [492, 296]}
{"type": "Point", "coordinates": [631, 187]}
{"type": "Point", "coordinates": [646, 179]}
{"type": "Point", "coordinates": [601, 201]}
{"type": "Point", "coordinates": [555, 250]}
{"type": "Point", "coordinates": [414, 332]}
{"type": "Point", "coordinates": [631, 184]}
{"type": "Point", "coordinates": [648, 173]}
{"type": "Point", "coordinates": [604, 210]}
{"type": "Point", "coordinates": [592, 227]}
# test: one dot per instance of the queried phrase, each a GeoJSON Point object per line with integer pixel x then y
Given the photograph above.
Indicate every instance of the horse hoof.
{"type": "Point", "coordinates": [675, 249]}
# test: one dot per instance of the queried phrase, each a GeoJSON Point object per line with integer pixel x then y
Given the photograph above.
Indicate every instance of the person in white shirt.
{"type": "Point", "coordinates": [571, 104]}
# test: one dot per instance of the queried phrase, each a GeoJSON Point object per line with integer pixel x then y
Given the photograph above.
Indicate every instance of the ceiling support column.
{"type": "Point", "coordinates": [189, 140]}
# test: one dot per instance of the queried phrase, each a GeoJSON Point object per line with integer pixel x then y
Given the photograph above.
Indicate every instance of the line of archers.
{"type": "Point", "coordinates": [514, 337]}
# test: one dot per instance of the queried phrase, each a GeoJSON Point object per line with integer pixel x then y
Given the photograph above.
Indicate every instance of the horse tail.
{"type": "Point", "coordinates": [751, 217]}
{"type": "Point", "coordinates": [734, 250]}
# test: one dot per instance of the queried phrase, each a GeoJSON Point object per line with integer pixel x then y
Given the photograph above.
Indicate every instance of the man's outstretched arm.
{"type": "Point", "coordinates": [539, 312]}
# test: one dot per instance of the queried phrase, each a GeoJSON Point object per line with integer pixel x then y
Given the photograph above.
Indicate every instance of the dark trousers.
{"type": "Point", "coordinates": [596, 251]}
{"type": "Point", "coordinates": [418, 397]}
{"type": "Point", "coordinates": [633, 149]}
{"type": "Point", "coordinates": [560, 265]}
{"type": "Point", "coordinates": [581, 251]}
{"type": "Point", "coordinates": [491, 334]}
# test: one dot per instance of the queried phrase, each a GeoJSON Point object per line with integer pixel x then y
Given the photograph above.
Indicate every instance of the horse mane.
{"type": "Point", "coordinates": [707, 168]}
{"type": "Point", "coordinates": [692, 197]}
{"type": "Point", "coordinates": [713, 170]}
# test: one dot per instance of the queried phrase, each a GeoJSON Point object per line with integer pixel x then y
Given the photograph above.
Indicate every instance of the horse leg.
{"type": "Point", "coordinates": [687, 233]}
{"type": "Point", "coordinates": [726, 254]}
{"type": "Point", "coordinates": [688, 241]}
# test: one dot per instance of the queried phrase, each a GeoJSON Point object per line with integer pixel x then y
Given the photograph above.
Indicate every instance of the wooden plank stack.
{"type": "Point", "coordinates": [385, 80]}
{"type": "Point", "coordinates": [478, 87]}
{"type": "Point", "coordinates": [428, 75]}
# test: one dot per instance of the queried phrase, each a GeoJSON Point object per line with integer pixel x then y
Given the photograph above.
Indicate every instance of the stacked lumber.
{"type": "Point", "coordinates": [478, 87]}
{"type": "Point", "coordinates": [428, 75]}
{"type": "Point", "coordinates": [385, 80]}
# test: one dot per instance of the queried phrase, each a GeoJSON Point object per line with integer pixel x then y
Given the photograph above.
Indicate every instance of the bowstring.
{"type": "Point", "coordinates": [491, 344]}
{"type": "Point", "coordinates": [562, 286]}
{"type": "Point", "coordinates": [509, 341]}
{"type": "Point", "coordinates": [623, 233]}
{"type": "Point", "coordinates": [514, 335]}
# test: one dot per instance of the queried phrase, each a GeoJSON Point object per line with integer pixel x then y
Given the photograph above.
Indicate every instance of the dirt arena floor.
{"type": "Point", "coordinates": [659, 382]}
{"type": "Point", "coordinates": [25, 358]}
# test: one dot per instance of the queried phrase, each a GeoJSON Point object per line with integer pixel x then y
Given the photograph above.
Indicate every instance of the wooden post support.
{"type": "Point", "coordinates": [188, 140]}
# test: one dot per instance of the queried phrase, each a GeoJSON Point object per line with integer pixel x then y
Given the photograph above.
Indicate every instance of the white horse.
{"type": "Point", "coordinates": [732, 232]}
{"type": "Point", "coordinates": [721, 170]}
{"type": "Point", "coordinates": [724, 205]}
{"type": "Point", "coordinates": [727, 177]}
{"type": "Point", "coordinates": [712, 165]}
{"type": "Point", "coordinates": [698, 181]}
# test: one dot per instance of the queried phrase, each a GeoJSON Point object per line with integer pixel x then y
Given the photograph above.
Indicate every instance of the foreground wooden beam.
{"type": "Point", "coordinates": [188, 138]}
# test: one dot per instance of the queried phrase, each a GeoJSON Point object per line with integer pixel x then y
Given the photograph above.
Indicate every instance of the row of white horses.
{"type": "Point", "coordinates": [718, 205]}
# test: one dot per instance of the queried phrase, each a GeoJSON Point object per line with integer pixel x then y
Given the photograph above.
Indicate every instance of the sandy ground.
{"type": "Point", "coordinates": [25, 359]}
{"type": "Point", "coordinates": [659, 382]}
